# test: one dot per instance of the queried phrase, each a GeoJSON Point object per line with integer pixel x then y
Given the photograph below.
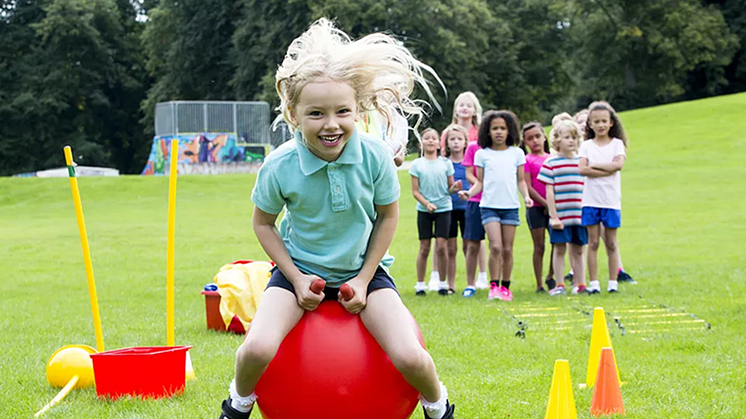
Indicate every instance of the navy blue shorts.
{"type": "Point", "coordinates": [611, 218]}
{"type": "Point", "coordinates": [570, 234]}
{"type": "Point", "coordinates": [502, 216]}
{"type": "Point", "coordinates": [473, 229]}
{"type": "Point", "coordinates": [380, 280]}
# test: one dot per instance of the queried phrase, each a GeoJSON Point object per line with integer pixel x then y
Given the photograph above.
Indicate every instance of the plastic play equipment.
{"type": "Point", "coordinates": [329, 366]}
{"type": "Point", "coordinates": [72, 365]}
{"type": "Point", "coordinates": [69, 367]}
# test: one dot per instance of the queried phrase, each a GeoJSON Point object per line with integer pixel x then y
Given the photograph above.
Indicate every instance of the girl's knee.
{"type": "Point", "coordinates": [452, 250]}
{"type": "Point", "coordinates": [441, 250]}
{"type": "Point", "coordinates": [611, 246]}
{"type": "Point", "coordinates": [539, 248]}
{"type": "Point", "coordinates": [495, 249]}
{"type": "Point", "coordinates": [507, 252]}
{"type": "Point", "coordinates": [257, 352]}
{"type": "Point", "coordinates": [593, 244]}
{"type": "Point", "coordinates": [410, 360]}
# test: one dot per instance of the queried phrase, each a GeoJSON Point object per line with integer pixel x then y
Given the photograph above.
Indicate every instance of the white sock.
{"type": "Point", "coordinates": [482, 277]}
{"type": "Point", "coordinates": [594, 285]}
{"type": "Point", "coordinates": [240, 403]}
{"type": "Point", "coordinates": [436, 410]}
{"type": "Point", "coordinates": [471, 287]}
{"type": "Point", "coordinates": [420, 286]}
{"type": "Point", "coordinates": [443, 285]}
{"type": "Point", "coordinates": [613, 286]}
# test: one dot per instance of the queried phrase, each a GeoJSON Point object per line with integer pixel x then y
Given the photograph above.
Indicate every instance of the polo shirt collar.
{"type": "Point", "coordinates": [310, 164]}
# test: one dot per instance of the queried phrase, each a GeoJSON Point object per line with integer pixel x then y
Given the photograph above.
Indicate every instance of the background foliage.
{"type": "Point", "coordinates": [89, 72]}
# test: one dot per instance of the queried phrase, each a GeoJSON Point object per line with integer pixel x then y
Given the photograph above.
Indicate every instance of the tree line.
{"type": "Point", "coordinates": [88, 73]}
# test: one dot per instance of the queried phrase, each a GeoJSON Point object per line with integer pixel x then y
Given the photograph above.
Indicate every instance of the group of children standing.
{"type": "Point", "coordinates": [471, 179]}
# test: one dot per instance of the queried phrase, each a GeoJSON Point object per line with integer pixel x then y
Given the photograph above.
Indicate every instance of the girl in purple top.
{"type": "Point", "coordinates": [537, 216]}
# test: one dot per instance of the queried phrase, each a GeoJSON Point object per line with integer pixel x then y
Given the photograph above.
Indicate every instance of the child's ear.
{"type": "Point", "coordinates": [293, 119]}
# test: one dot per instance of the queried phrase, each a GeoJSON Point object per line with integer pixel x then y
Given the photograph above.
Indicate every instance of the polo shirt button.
{"type": "Point", "coordinates": [336, 189]}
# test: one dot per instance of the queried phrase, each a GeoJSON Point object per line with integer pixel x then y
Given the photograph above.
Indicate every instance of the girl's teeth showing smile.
{"type": "Point", "coordinates": [330, 140]}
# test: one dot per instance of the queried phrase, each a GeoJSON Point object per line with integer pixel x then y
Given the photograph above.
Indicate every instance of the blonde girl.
{"type": "Point", "coordinates": [340, 191]}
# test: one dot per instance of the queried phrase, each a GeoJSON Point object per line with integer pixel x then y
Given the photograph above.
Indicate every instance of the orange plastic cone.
{"type": "Point", "coordinates": [561, 404]}
{"type": "Point", "coordinates": [607, 397]}
{"type": "Point", "coordinates": [600, 338]}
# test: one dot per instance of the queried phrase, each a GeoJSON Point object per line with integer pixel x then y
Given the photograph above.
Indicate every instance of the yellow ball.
{"type": "Point", "coordinates": [68, 362]}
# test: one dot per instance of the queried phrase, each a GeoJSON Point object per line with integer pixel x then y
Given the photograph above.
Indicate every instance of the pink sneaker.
{"type": "Point", "coordinates": [505, 294]}
{"type": "Point", "coordinates": [494, 291]}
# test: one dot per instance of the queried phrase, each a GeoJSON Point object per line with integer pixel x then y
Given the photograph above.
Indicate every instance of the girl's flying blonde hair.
{"type": "Point", "coordinates": [380, 70]}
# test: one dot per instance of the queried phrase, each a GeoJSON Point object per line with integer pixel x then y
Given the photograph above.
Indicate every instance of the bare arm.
{"type": "Point", "coordinates": [535, 195]}
{"type": "Point", "coordinates": [476, 186]}
{"type": "Point", "coordinates": [470, 176]}
{"type": "Point", "coordinates": [380, 240]}
{"type": "Point", "coordinates": [588, 171]}
{"type": "Point", "coordinates": [271, 241]}
{"type": "Point", "coordinates": [554, 220]}
{"type": "Point", "coordinates": [523, 187]}
{"type": "Point", "coordinates": [616, 165]}
{"type": "Point", "coordinates": [454, 187]}
{"type": "Point", "coordinates": [419, 196]}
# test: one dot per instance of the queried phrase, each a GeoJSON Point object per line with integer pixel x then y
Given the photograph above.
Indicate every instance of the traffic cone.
{"type": "Point", "coordinates": [599, 339]}
{"type": "Point", "coordinates": [607, 397]}
{"type": "Point", "coordinates": [561, 404]}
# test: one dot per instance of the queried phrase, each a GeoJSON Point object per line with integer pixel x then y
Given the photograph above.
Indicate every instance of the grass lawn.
{"type": "Point", "coordinates": [683, 221]}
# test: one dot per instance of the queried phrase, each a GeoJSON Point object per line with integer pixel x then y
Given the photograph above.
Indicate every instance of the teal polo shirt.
{"type": "Point", "coordinates": [433, 180]}
{"type": "Point", "coordinates": [330, 206]}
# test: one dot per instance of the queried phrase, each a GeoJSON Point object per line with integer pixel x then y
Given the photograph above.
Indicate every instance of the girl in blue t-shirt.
{"type": "Point", "coordinates": [500, 176]}
{"type": "Point", "coordinates": [341, 192]}
{"type": "Point", "coordinates": [432, 184]}
{"type": "Point", "coordinates": [456, 140]}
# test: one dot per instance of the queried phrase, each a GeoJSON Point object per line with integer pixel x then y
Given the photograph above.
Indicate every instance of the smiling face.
{"type": "Point", "coordinates": [534, 139]}
{"type": "Point", "coordinates": [600, 122]}
{"type": "Point", "coordinates": [465, 109]}
{"type": "Point", "coordinates": [325, 114]}
{"type": "Point", "coordinates": [499, 133]}
{"type": "Point", "coordinates": [430, 142]}
{"type": "Point", "coordinates": [456, 141]}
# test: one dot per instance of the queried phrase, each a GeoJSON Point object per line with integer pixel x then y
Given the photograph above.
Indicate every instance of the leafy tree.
{"type": "Point", "coordinates": [188, 47]}
{"type": "Point", "coordinates": [639, 53]}
{"type": "Point", "coordinates": [73, 86]}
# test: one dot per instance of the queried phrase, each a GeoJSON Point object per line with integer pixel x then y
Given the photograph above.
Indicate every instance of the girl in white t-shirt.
{"type": "Point", "coordinates": [602, 157]}
{"type": "Point", "coordinates": [500, 174]}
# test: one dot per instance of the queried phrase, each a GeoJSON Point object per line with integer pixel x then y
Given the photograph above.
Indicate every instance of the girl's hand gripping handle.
{"type": "Point", "coordinates": [318, 285]}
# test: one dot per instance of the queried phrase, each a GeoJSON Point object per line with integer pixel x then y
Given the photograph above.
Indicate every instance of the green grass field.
{"type": "Point", "coordinates": [683, 225]}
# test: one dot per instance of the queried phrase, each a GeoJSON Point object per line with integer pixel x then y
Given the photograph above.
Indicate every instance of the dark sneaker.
{"type": "Point", "coordinates": [450, 408]}
{"type": "Point", "coordinates": [541, 290]}
{"type": "Point", "coordinates": [624, 277]}
{"type": "Point", "coordinates": [551, 283]}
{"type": "Point", "coordinates": [230, 413]}
{"type": "Point", "coordinates": [420, 293]}
{"type": "Point", "coordinates": [569, 277]}
{"type": "Point", "coordinates": [443, 291]}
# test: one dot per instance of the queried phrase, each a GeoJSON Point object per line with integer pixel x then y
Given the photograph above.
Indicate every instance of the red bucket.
{"type": "Point", "coordinates": [146, 371]}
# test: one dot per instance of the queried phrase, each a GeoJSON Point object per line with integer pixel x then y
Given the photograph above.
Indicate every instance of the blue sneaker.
{"type": "Point", "coordinates": [468, 292]}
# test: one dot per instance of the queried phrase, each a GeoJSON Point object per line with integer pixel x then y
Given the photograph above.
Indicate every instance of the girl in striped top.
{"type": "Point", "coordinates": [564, 188]}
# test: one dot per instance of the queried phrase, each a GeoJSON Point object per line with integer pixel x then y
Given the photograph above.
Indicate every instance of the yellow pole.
{"type": "Point", "coordinates": [61, 395]}
{"type": "Point", "coordinates": [86, 250]}
{"type": "Point", "coordinates": [170, 250]}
